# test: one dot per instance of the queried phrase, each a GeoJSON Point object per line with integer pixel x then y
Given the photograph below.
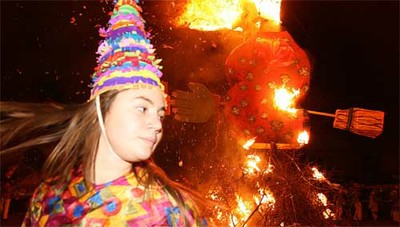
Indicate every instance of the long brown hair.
{"type": "Point", "coordinates": [75, 131]}
{"type": "Point", "coordinates": [27, 125]}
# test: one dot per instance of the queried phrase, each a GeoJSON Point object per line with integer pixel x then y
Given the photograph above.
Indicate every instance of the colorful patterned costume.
{"type": "Point", "coordinates": [121, 202]}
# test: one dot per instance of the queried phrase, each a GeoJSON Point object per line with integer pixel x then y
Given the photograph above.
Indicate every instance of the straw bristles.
{"type": "Point", "coordinates": [360, 121]}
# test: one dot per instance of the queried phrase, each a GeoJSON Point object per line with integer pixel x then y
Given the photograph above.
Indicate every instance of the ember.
{"type": "Point", "coordinates": [214, 15]}
{"type": "Point", "coordinates": [252, 161]}
{"type": "Point", "coordinates": [210, 15]}
{"type": "Point", "coordinates": [327, 213]}
{"type": "Point", "coordinates": [248, 144]}
{"type": "Point", "coordinates": [317, 175]}
{"type": "Point", "coordinates": [266, 198]}
{"type": "Point", "coordinates": [303, 138]}
{"type": "Point", "coordinates": [284, 99]}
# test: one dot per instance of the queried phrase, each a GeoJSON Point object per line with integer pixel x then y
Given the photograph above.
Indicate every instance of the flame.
{"type": "Point", "coordinates": [269, 169]}
{"type": "Point", "coordinates": [214, 196]}
{"type": "Point", "coordinates": [327, 213]}
{"type": "Point", "coordinates": [323, 199]}
{"type": "Point", "coordinates": [242, 208]}
{"type": "Point", "coordinates": [303, 138]}
{"type": "Point", "coordinates": [269, 9]}
{"type": "Point", "coordinates": [234, 220]}
{"type": "Point", "coordinates": [219, 215]}
{"type": "Point", "coordinates": [284, 99]}
{"type": "Point", "coordinates": [242, 211]}
{"type": "Point", "coordinates": [211, 15]}
{"type": "Point", "coordinates": [249, 142]}
{"type": "Point", "coordinates": [252, 161]}
{"type": "Point", "coordinates": [267, 198]}
{"type": "Point", "coordinates": [318, 175]}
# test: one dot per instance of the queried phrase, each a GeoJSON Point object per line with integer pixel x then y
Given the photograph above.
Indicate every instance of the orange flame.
{"type": "Point", "coordinates": [211, 15]}
{"type": "Point", "coordinates": [242, 211]}
{"type": "Point", "coordinates": [242, 207]}
{"type": "Point", "coordinates": [252, 161]}
{"type": "Point", "coordinates": [269, 9]}
{"type": "Point", "coordinates": [303, 138]}
{"type": "Point", "coordinates": [317, 175]}
{"type": "Point", "coordinates": [327, 213]}
{"type": "Point", "coordinates": [267, 198]}
{"type": "Point", "coordinates": [269, 169]}
{"type": "Point", "coordinates": [249, 142]}
{"type": "Point", "coordinates": [323, 199]}
{"type": "Point", "coordinates": [284, 99]}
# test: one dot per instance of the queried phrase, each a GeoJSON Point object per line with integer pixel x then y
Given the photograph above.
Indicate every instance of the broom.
{"type": "Point", "coordinates": [357, 120]}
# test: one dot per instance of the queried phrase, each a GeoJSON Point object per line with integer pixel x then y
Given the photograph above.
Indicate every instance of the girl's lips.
{"type": "Point", "coordinates": [148, 140]}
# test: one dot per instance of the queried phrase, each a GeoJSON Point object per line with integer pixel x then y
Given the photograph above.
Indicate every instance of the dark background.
{"type": "Point", "coordinates": [48, 54]}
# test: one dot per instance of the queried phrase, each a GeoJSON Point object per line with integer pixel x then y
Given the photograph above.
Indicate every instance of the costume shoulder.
{"type": "Point", "coordinates": [35, 214]}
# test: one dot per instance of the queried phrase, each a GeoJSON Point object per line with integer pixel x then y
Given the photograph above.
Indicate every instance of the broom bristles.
{"type": "Point", "coordinates": [360, 121]}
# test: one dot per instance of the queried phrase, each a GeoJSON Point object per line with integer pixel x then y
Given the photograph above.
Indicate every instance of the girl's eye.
{"type": "Point", "coordinates": [141, 109]}
{"type": "Point", "coordinates": [162, 117]}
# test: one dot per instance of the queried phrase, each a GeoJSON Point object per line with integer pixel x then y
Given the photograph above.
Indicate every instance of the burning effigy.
{"type": "Point", "coordinates": [255, 174]}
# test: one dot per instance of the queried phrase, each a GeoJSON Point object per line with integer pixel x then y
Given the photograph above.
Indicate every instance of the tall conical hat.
{"type": "Point", "coordinates": [127, 58]}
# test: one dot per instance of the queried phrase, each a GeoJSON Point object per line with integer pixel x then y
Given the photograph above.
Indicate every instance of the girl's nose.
{"type": "Point", "coordinates": [155, 124]}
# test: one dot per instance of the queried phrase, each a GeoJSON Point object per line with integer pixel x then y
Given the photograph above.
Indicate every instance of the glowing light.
{"type": "Point", "coordinates": [214, 196]}
{"type": "Point", "coordinates": [303, 138]}
{"type": "Point", "coordinates": [252, 161]}
{"type": "Point", "coordinates": [243, 208]}
{"type": "Point", "coordinates": [328, 214]}
{"type": "Point", "coordinates": [323, 199]}
{"type": "Point", "coordinates": [234, 220]}
{"type": "Point", "coordinates": [219, 214]}
{"type": "Point", "coordinates": [317, 175]}
{"type": "Point", "coordinates": [269, 9]}
{"type": "Point", "coordinates": [211, 15]}
{"type": "Point", "coordinates": [249, 142]}
{"type": "Point", "coordinates": [267, 198]}
{"type": "Point", "coordinates": [269, 169]}
{"type": "Point", "coordinates": [284, 99]}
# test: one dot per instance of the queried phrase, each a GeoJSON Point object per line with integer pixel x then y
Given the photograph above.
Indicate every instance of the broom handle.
{"type": "Point", "coordinates": [320, 113]}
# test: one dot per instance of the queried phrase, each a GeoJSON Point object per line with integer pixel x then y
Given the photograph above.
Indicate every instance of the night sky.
{"type": "Point", "coordinates": [48, 54]}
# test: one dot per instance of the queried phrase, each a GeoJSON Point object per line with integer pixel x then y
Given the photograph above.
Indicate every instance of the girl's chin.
{"type": "Point", "coordinates": [143, 156]}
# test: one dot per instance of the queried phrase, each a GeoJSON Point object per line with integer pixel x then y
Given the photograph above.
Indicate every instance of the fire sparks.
{"type": "Point", "coordinates": [266, 198]}
{"type": "Point", "coordinates": [269, 9]}
{"type": "Point", "coordinates": [303, 138]}
{"type": "Point", "coordinates": [317, 175]}
{"type": "Point", "coordinates": [249, 142]}
{"type": "Point", "coordinates": [284, 99]}
{"type": "Point", "coordinates": [269, 169]}
{"type": "Point", "coordinates": [242, 207]}
{"type": "Point", "coordinates": [327, 213]}
{"type": "Point", "coordinates": [323, 199]}
{"type": "Point", "coordinates": [242, 211]}
{"type": "Point", "coordinates": [252, 161]}
{"type": "Point", "coordinates": [211, 15]}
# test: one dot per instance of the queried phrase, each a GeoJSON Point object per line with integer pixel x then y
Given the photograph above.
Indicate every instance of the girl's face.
{"type": "Point", "coordinates": [134, 123]}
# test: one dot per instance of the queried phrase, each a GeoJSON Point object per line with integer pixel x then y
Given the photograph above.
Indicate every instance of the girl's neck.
{"type": "Point", "coordinates": [108, 166]}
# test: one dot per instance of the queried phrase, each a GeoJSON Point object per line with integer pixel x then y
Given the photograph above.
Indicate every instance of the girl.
{"type": "Point", "coordinates": [100, 173]}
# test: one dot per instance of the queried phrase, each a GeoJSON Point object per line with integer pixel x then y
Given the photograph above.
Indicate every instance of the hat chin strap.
{"type": "Point", "coordinates": [103, 129]}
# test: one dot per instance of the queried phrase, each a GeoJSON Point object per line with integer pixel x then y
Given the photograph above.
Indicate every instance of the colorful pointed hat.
{"type": "Point", "coordinates": [127, 57]}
